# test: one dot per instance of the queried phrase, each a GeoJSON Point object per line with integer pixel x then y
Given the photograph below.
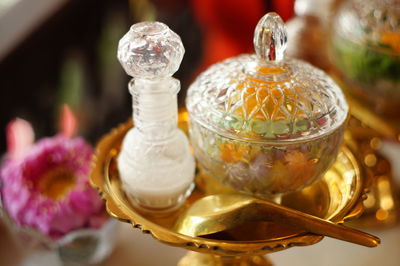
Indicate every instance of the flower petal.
{"type": "Point", "coordinates": [68, 124]}
{"type": "Point", "coordinates": [20, 137]}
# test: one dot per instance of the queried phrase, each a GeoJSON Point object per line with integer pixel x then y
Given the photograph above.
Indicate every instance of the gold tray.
{"type": "Point", "coordinates": [336, 197]}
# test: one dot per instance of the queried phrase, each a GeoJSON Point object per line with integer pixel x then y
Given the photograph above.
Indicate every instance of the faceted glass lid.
{"type": "Point", "coordinates": [265, 96]}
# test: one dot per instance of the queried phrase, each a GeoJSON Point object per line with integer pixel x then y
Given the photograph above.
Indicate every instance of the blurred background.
{"type": "Point", "coordinates": [64, 51]}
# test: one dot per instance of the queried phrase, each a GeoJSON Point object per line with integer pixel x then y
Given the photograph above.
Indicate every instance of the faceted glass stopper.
{"type": "Point", "coordinates": [150, 50]}
{"type": "Point", "coordinates": [270, 38]}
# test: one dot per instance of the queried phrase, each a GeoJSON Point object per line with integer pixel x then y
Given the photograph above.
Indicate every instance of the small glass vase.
{"type": "Point", "coordinates": [86, 246]}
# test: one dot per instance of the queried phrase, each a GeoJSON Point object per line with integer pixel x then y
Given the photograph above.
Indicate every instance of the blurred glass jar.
{"type": "Point", "coordinates": [264, 124]}
{"type": "Point", "coordinates": [366, 51]}
{"type": "Point", "coordinates": [80, 247]}
{"type": "Point", "coordinates": [307, 31]}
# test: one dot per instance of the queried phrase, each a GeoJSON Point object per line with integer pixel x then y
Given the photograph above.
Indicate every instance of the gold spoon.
{"type": "Point", "coordinates": [221, 212]}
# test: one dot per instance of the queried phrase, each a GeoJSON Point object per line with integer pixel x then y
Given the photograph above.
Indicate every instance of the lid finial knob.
{"type": "Point", "coordinates": [270, 38]}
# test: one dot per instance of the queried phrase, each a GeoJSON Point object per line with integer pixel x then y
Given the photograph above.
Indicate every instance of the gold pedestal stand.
{"type": "Point", "coordinates": [336, 197]}
{"type": "Point", "coordinates": [368, 131]}
{"type": "Point", "coordinates": [203, 259]}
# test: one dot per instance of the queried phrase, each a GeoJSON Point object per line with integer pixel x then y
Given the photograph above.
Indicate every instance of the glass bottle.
{"type": "Point", "coordinates": [155, 164]}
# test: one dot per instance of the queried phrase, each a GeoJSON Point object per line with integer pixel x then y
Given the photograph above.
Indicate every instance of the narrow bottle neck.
{"type": "Point", "coordinates": [155, 108]}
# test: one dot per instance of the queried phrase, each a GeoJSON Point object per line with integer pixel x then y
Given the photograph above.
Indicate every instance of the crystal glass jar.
{"type": "Point", "coordinates": [366, 51]}
{"type": "Point", "coordinates": [264, 124]}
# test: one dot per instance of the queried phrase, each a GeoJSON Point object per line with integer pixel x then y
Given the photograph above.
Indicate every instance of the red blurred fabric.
{"type": "Point", "coordinates": [228, 25]}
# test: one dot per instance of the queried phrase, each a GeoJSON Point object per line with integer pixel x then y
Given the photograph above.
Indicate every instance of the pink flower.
{"type": "Point", "coordinates": [47, 187]}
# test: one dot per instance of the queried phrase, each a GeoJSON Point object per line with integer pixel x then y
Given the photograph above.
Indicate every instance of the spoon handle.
{"type": "Point", "coordinates": [316, 225]}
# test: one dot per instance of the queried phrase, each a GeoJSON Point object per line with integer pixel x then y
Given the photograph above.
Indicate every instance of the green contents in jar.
{"type": "Point", "coordinates": [367, 63]}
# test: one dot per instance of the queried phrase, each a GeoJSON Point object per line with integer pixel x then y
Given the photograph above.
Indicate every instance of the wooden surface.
{"type": "Point", "coordinates": [136, 249]}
